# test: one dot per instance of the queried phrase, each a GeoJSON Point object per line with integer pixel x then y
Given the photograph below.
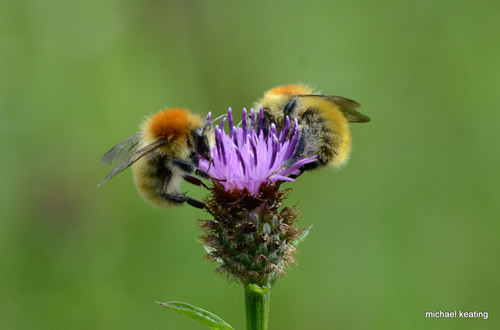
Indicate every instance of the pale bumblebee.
{"type": "Point", "coordinates": [324, 120]}
{"type": "Point", "coordinates": [164, 152]}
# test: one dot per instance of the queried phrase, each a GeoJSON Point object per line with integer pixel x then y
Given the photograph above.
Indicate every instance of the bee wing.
{"type": "Point", "coordinates": [346, 106]}
{"type": "Point", "coordinates": [138, 154]}
{"type": "Point", "coordinates": [122, 150]}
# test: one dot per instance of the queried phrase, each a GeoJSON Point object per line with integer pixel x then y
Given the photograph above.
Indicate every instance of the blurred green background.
{"type": "Point", "coordinates": [411, 225]}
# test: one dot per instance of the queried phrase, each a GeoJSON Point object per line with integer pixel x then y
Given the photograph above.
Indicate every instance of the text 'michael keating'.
{"type": "Point", "coordinates": [460, 314]}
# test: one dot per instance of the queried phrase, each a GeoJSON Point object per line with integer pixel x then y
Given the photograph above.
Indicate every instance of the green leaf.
{"type": "Point", "coordinates": [204, 317]}
{"type": "Point", "coordinates": [302, 237]}
{"type": "Point", "coordinates": [257, 289]}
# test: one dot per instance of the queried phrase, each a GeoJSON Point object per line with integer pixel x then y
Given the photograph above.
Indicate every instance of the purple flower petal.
{"type": "Point", "coordinates": [264, 159]}
{"type": "Point", "coordinates": [230, 121]}
{"type": "Point", "coordinates": [209, 116]}
{"type": "Point", "coordinates": [244, 124]}
{"type": "Point", "coordinates": [261, 120]}
{"type": "Point", "coordinates": [277, 177]}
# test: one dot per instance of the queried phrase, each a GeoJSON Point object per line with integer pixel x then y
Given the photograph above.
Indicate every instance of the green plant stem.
{"type": "Point", "coordinates": [257, 300]}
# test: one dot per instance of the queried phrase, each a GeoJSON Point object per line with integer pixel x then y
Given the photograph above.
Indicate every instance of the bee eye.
{"type": "Point", "coordinates": [201, 143]}
{"type": "Point", "coordinates": [289, 107]}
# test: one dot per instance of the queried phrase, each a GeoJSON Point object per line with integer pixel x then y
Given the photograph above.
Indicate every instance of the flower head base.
{"type": "Point", "coordinates": [252, 236]}
{"type": "Point", "coordinates": [246, 158]}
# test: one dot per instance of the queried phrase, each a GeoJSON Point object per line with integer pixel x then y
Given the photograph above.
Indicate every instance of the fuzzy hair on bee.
{"type": "Point", "coordinates": [323, 119]}
{"type": "Point", "coordinates": [164, 152]}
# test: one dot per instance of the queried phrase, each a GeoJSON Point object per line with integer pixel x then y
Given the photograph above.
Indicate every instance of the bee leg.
{"type": "Point", "coordinates": [182, 198]}
{"type": "Point", "coordinates": [189, 167]}
{"type": "Point", "coordinates": [195, 181]}
{"type": "Point", "coordinates": [310, 166]}
{"type": "Point", "coordinates": [176, 198]}
{"type": "Point", "coordinates": [306, 167]}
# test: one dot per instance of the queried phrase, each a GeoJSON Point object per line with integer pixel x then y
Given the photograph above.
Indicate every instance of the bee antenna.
{"type": "Point", "coordinates": [289, 107]}
{"type": "Point", "coordinates": [218, 118]}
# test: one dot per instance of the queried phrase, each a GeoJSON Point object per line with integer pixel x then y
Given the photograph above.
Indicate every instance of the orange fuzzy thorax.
{"type": "Point", "coordinates": [289, 90]}
{"type": "Point", "coordinates": [171, 123]}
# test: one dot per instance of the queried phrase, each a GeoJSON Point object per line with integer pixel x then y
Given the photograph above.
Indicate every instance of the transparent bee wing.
{"type": "Point", "coordinates": [346, 106]}
{"type": "Point", "coordinates": [133, 158]}
{"type": "Point", "coordinates": [122, 150]}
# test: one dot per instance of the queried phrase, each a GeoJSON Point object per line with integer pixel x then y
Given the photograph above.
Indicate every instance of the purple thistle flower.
{"type": "Point", "coordinates": [252, 235]}
{"type": "Point", "coordinates": [247, 159]}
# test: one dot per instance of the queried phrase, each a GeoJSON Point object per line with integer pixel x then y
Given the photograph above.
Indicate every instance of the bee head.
{"type": "Point", "coordinates": [201, 141]}
{"type": "Point", "coordinates": [282, 101]}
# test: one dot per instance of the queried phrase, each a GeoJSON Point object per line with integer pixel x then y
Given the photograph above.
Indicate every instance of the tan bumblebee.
{"type": "Point", "coordinates": [164, 152]}
{"type": "Point", "coordinates": [323, 119]}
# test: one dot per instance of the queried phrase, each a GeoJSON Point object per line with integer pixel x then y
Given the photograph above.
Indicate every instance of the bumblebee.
{"type": "Point", "coordinates": [323, 119]}
{"type": "Point", "coordinates": [164, 152]}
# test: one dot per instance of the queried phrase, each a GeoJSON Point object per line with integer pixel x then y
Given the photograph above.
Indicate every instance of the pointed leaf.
{"type": "Point", "coordinates": [257, 289]}
{"type": "Point", "coordinates": [204, 317]}
{"type": "Point", "coordinates": [302, 237]}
